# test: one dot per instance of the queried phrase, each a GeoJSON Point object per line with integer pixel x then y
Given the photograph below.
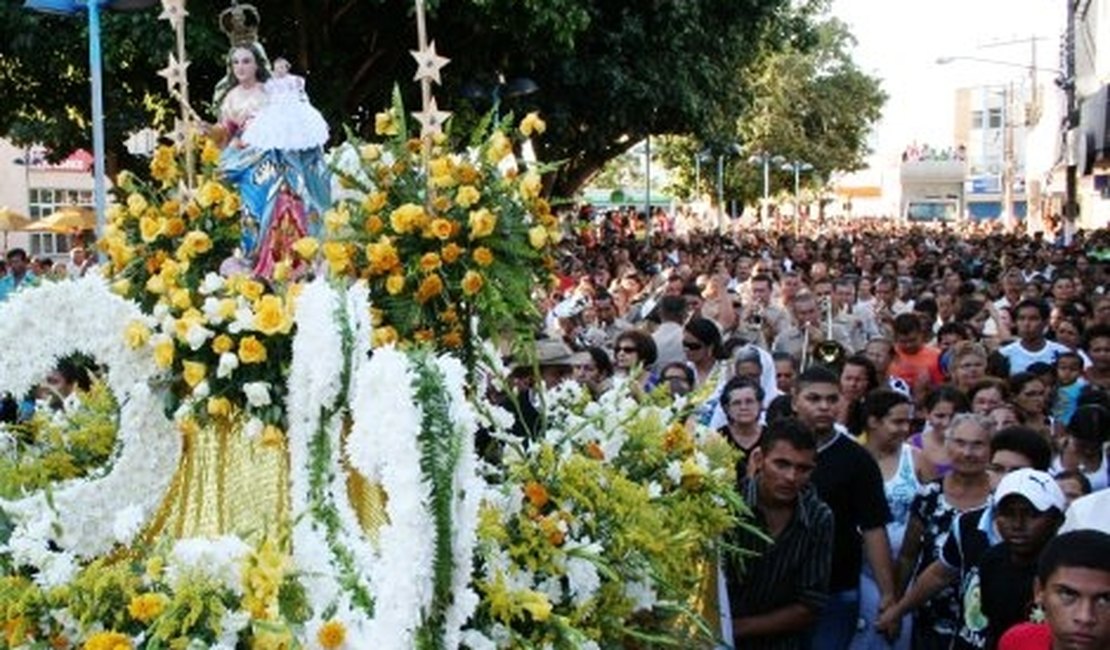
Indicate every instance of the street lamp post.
{"type": "Point", "coordinates": [797, 166]}
{"type": "Point", "coordinates": [730, 149]}
{"type": "Point", "coordinates": [92, 7]}
{"type": "Point", "coordinates": [766, 159]}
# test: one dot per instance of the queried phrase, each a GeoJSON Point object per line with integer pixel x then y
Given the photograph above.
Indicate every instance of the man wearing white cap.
{"type": "Point", "coordinates": [997, 593]}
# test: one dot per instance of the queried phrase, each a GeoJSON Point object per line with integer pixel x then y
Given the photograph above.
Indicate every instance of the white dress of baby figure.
{"type": "Point", "coordinates": [287, 121]}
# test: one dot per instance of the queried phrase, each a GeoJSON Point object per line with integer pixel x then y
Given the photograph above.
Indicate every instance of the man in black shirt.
{"type": "Point", "coordinates": [848, 479]}
{"type": "Point", "coordinates": [775, 597]}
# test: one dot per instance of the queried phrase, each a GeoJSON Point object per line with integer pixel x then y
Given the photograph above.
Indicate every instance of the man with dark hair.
{"type": "Point", "coordinates": [18, 275]}
{"type": "Point", "coordinates": [775, 597]}
{"type": "Point", "coordinates": [848, 479]}
{"type": "Point", "coordinates": [1073, 590]}
{"type": "Point", "coordinates": [1030, 322]}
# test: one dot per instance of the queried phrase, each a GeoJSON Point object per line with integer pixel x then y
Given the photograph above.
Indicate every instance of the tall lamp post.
{"type": "Point", "coordinates": [92, 8]}
{"type": "Point", "coordinates": [729, 149]}
{"type": "Point", "coordinates": [766, 159]}
{"type": "Point", "coordinates": [797, 166]}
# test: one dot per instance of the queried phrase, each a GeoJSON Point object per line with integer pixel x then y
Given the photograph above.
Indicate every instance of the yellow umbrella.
{"type": "Point", "coordinates": [11, 220]}
{"type": "Point", "coordinates": [71, 218]}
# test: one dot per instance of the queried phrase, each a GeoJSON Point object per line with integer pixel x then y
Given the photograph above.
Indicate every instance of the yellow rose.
{"type": "Point", "coordinates": [156, 284]}
{"type": "Point", "coordinates": [163, 352]}
{"type": "Point", "coordinates": [467, 196]}
{"type": "Point", "coordinates": [467, 174]}
{"type": "Point", "coordinates": [210, 154]}
{"type": "Point", "coordinates": [430, 287]}
{"type": "Point", "coordinates": [282, 270]}
{"type": "Point", "coordinates": [181, 299]}
{"type": "Point", "coordinates": [173, 227]}
{"type": "Point", "coordinates": [197, 242]}
{"type": "Point", "coordinates": [374, 224]}
{"type": "Point", "coordinates": [219, 407]}
{"type": "Point", "coordinates": [472, 283]}
{"type": "Point", "coordinates": [107, 641]}
{"type": "Point", "coordinates": [483, 256]}
{"type": "Point", "coordinates": [537, 237]}
{"type": "Point", "coordinates": [383, 336]}
{"type": "Point", "coordinates": [270, 316]}
{"type": "Point", "coordinates": [337, 255]}
{"type": "Point", "coordinates": [149, 229]}
{"type": "Point", "coordinates": [451, 252]}
{"type": "Point", "coordinates": [441, 229]}
{"type": "Point", "coordinates": [336, 220]}
{"type": "Point", "coordinates": [171, 208]}
{"type": "Point", "coordinates": [210, 193]}
{"type": "Point", "coordinates": [382, 257]}
{"type": "Point", "coordinates": [374, 201]}
{"type": "Point", "coordinates": [229, 207]}
{"type": "Point", "coordinates": [395, 284]}
{"type": "Point", "coordinates": [406, 218]}
{"type": "Point", "coordinates": [121, 287]}
{"type": "Point", "coordinates": [136, 334]}
{"type": "Point", "coordinates": [306, 247]}
{"type": "Point", "coordinates": [251, 289]}
{"type": "Point", "coordinates": [384, 124]}
{"type": "Point", "coordinates": [370, 152]}
{"type": "Point", "coordinates": [530, 186]}
{"type": "Point", "coordinates": [222, 343]}
{"type": "Point", "coordinates": [136, 204]}
{"type": "Point", "coordinates": [482, 223]}
{"type": "Point", "coordinates": [251, 350]}
{"type": "Point", "coordinates": [331, 635]}
{"type": "Point", "coordinates": [193, 372]}
{"type": "Point", "coordinates": [430, 262]}
{"type": "Point", "coordinates": [532, 124]}
{"type": "Point", "coordinates": [499, 147]}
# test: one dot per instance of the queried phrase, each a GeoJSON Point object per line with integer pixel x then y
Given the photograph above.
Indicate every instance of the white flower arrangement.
{"type": "Point", "coordinates": [87, 517]}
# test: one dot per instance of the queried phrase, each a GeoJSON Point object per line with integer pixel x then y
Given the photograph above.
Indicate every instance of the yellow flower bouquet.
{"type": "Point", "coordinates": [441, 247]}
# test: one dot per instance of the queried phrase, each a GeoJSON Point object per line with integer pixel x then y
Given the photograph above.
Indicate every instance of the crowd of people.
{"type": "Point", "coordinates": [917, 408]}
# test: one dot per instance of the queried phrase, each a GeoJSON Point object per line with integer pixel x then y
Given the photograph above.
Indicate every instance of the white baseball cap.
{"type": "Point", "coordinates": [1038, 487]}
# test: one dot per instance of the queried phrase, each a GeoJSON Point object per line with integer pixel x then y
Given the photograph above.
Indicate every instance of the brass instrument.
{"type": "Point", "coordinates": [828, 352]}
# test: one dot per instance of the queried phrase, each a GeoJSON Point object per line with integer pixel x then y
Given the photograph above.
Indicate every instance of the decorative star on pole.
{"type": "Point", "coordinates": [173, 11]}
{"type": "Point", "coordinates": [428, 63]}
{"type": "Point", "coordinates": [174, 73]}
{"type": "Point", "coordinates": [431, 118]}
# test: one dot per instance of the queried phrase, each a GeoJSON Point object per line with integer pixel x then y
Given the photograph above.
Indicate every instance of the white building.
{"type": "Point", "coordinates": [34, 187]}
{"type": "Point", "coordinates": [1092, 72]}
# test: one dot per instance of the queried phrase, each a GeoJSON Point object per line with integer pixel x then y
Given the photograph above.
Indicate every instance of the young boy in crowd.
{"type": "Point", "coordinates": [1069, 385]}
{"type": "Point", "coordinates": [1029, 508]}
{"type": "Point", "coordinates": [1073, 591]}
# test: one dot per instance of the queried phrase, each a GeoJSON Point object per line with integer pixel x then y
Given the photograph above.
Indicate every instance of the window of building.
{"type": "Point", "coordinates": [976, 119]}
{"type": "Point", "coordinates": [994, 118]}
{"type": "Point", "coordinates": [44, 201]}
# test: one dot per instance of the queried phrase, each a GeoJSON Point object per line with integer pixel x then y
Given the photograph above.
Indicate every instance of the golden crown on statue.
{"type": "Point", "coordinates": [240, 22]}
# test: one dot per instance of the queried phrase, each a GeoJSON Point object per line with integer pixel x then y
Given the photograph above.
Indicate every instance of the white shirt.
{"type": "Point", "coordinates": [1021, 358]}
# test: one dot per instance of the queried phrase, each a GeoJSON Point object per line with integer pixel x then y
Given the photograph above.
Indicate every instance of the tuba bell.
{"type": "Point", "coordinates": [829, 352]}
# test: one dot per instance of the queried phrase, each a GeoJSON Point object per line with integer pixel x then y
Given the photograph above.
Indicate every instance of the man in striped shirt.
{"type": "Point", "coordinates": [775, 598]}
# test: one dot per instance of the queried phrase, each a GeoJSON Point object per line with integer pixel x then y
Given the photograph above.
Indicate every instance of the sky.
{"type": "Point", "coordinates": [899, 41]}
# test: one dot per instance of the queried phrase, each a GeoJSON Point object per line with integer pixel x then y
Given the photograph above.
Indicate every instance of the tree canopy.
{"type": "Point", "coordinates": [609, 71]}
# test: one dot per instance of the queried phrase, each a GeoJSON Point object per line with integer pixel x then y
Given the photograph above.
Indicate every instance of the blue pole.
{"type": "Point", "coordinates": [99, 192]}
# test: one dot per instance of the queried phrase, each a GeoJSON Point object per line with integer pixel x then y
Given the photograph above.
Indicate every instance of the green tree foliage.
{"type": "Point", "coordinates": [609, 71]}
{"type": "Point", "coordinates": [809, 102]}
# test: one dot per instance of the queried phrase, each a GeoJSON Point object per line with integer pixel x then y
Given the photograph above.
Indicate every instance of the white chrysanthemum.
{"type": "Point", "coordinates": [212, 283]}
{"type": "Point", "coordinates": [228, 363]}
{"type": "Point", "coordinates": [257, 393]}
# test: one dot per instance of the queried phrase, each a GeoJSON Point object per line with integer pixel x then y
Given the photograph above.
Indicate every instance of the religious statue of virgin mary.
{"type": "Point", "coordinates": [273, 148]}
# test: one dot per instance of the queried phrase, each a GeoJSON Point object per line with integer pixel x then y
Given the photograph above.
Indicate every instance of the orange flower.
{"type": "Point", "coordinates": [430, 262]}
{"type": "Point", "coordinates": [430, 287]}
{"type": "Point", "coordinates": [441, 229]}
{"type": "Point", "coordinates": [424, 335]}
{"type": "Point", "coordinates": [451, 253]}
{"type": "Point", "coordinates": [472, 283]}
{"type": "Point", "coordinates": [593, 450]}
{"type": "Point", "coordinates": [483, 256]}
{"type": "Point", "coordinates": [452, 339]}
{"type": "Point", "coordinates": [374, 224]}
{"type": "Point", "coordinates": [536, 494]}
